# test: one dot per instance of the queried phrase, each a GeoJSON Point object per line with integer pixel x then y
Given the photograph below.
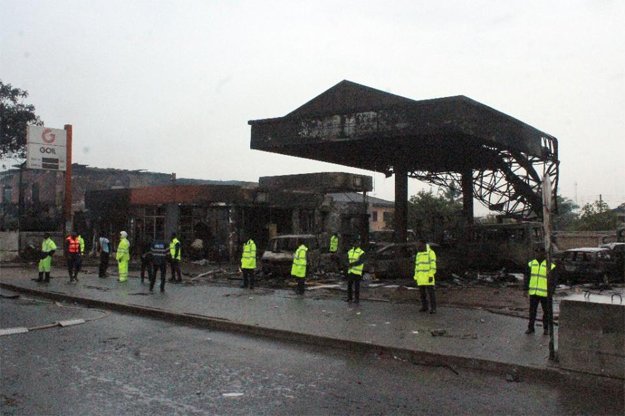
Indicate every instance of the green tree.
{"type": "Point", "coordinates": [430, 215]}
{"type": "Point", "coordinates": [566, 216]}
{"type": "Point", "coordinates": [15, 115]}
{"type": "Point", "coordinates": [596, 216]}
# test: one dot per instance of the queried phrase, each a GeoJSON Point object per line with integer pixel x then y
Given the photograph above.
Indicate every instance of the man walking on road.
{"type": "Point", "coordinates": [424, 273]}
{"type": "Point", "coordinates": [45, 263]}
{"type": "Point", "coordinates": [72, 250]}
{"type": "Point", "coordinates": [299, 269]}
{"type": "Point", "coordinates": [540, 286]}
{"type": "Point", "coordinates": [248, 263]}
{"type": "Point", "coordinates": [355, 257]}
{"type": "Point", "coordinates": [123, 256]}
{"type": "Point", "coordinates": [105, 251]}
{"type": "Point", "coordinates": [175, 251]}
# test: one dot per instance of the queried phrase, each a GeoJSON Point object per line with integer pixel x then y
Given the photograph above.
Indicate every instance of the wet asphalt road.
{"type": "Point", "coordinates": [124, 365]}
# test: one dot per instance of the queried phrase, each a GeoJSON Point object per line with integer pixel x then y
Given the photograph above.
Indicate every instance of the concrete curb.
{"type": "Point", "coordinates": [553, 374]}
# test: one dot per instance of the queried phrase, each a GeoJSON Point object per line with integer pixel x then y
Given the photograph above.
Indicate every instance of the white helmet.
{"type": "Point", "coordinates": [124, 234]}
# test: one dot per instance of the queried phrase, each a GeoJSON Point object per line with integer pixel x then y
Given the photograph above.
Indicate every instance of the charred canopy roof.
{"type": "Point", "coordinates": [359, 126]}
{"type": "Point", "coordinates": [435, 140]}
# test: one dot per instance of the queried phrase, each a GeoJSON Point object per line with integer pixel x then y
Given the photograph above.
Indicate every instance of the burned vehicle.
{"type": "Point", "coordinates": [277, 259]}
{"type": "Point", "coordinates": [587, 265]}
{"type": "Point", "coordinates": [617, 251]}
{"type": "Point", "coordinates": [396, 261]}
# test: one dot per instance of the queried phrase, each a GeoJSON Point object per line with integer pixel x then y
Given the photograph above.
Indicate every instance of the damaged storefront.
{"type": "Point", "coordinates": [212, 221]}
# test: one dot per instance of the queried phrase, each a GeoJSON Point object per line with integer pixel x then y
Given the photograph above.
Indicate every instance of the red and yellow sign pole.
{"type": "Point", "coordinates": [67, 205]}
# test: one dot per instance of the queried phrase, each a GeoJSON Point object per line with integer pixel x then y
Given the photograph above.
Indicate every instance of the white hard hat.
{"type": "Point", "coordinates": [123, 234]}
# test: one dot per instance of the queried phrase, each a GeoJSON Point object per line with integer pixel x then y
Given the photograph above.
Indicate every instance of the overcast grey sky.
{"type": "Point", "coordinates": [170, 85]}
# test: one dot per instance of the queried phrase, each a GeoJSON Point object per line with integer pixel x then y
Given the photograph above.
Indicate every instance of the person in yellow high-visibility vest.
{"type": "Point", "coordinates": [175, 255]}
{"type": "Point", "coordinates": [48, 247]}
{"type": "Point", "coordinates": [355, 257]}
{"type": "Point", "coordinates": [540, 286]}
{"type": "Point", "coordinates": [424, 273]}
{"type": "Point", "coordinates": [299, 268]}
{"type": "Point", "coordinates": [123, 256]}
{"type": "Point", "coordinates": [248, 263]}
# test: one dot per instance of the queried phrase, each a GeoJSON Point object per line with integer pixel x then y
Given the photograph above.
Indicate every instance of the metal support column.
{"type": "Point", "coordinates": [401, 205]}
{"type": "Point", "coordinates": [467, 196]}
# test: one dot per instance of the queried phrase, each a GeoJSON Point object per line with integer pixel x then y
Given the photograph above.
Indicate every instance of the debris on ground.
{"type": "Point", "coordinates": [513, 376]}
{"type": "Point", "coordinates": [438, 332]}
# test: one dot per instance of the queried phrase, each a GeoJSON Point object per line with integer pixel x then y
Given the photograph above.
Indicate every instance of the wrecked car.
{"type": "Point", "coordinates": [277, 259]}
{"type": "Point", "coordinates": [587, 265]}
{"type": "Point", "coordinates": [618, 252]}
{"type": "Point", "coordinates": [396, 260]}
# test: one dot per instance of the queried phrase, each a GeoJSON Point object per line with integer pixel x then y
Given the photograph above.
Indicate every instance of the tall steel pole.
{"type": "Point", "coordinates": [547, 205]}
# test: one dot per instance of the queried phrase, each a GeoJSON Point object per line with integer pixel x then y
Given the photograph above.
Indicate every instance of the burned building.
{"type": "Point", "coordinates": [213, 220]}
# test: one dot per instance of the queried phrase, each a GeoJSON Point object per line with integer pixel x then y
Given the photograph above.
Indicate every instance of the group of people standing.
{"type": "Point", "coordinates": [353, 265]}
{"type": "Point", "coordinates": [153, 259]}
{"type": "Point", "coordinates": [539, 284]}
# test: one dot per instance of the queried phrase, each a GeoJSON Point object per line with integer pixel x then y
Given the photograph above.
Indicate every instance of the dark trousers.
{"type": "Point", "coordinates": [104, 263]}
{"type": "Point", "coordinates": [146, 265]}
{"type": "Point", "coordinates": [175, 269]}
{"type": "Point", "coordinates": [248, 278]}
{"type": "Point", "coordinates": [301, 285]}
{"type": "Point", "coordinates": [427, 291]}
{"type": "Point", "coordinates": [545, 304]}
{"type": "Point", "coordinates": [73, 265]}
{"type": "Point", "coordinates": [353, 280]}
{"type": "Point", "coordinates": [152, 275]}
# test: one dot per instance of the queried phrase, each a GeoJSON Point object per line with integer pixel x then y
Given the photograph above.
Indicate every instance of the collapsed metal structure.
{"type": "Point", "coordinates": [453, 142]}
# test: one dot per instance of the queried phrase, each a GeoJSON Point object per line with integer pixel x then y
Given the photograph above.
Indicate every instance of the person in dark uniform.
{"type": "Point", "coordinates": [158, 252]}
{"type": "Point", "coordinates": [105, 252]}
{"type": "Point", "coordinates": [146, 260]}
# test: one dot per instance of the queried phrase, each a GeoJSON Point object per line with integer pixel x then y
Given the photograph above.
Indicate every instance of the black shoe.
{"type": "Point", "coordinates": [151, 289]}
{"type": "Point", "coordinates": [243, 287]}
{"type": "Point", "coordinates": [433, 311]}
{"type": "Point", "coordinates": [529, 331]}
{"type": "Point", "coordinates": [545, 332]}
{"type": "Point", "coordinates": [423, 310]}
{"type": "Point", "coordinates": [348, 300]}
{"type": "Point", "coordinates": [162, 289]}
{"type": "Point", "coordinates": [357, 301]}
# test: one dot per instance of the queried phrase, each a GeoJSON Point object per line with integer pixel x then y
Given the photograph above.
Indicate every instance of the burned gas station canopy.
{"type": "Point", "coordinates": [453, 142]}
{"type": "Point", "coordinates": [324, 182]}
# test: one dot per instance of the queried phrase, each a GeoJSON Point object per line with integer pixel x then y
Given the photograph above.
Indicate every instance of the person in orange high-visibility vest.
{"type": "Point", "coordinates": [72, 252]}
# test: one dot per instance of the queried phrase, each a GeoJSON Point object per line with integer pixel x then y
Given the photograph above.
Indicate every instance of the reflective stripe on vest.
{"type": "Point", "coordinates": [538, 278]}
{"type": "Point", "coordinates": [353, 255]}
{"type": "Point", "coordinates": [172, 249]}
{"type": "Point", "coordinates": [74, 245]}
{"type": "Point", "coordinates": [425, 266]}
{"type": "Point", "coordinates": [334, 244]}
{"type": "Point", "coordinates": [299, 262]}
{"type": "Point", "coordinates": [248, 259]}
